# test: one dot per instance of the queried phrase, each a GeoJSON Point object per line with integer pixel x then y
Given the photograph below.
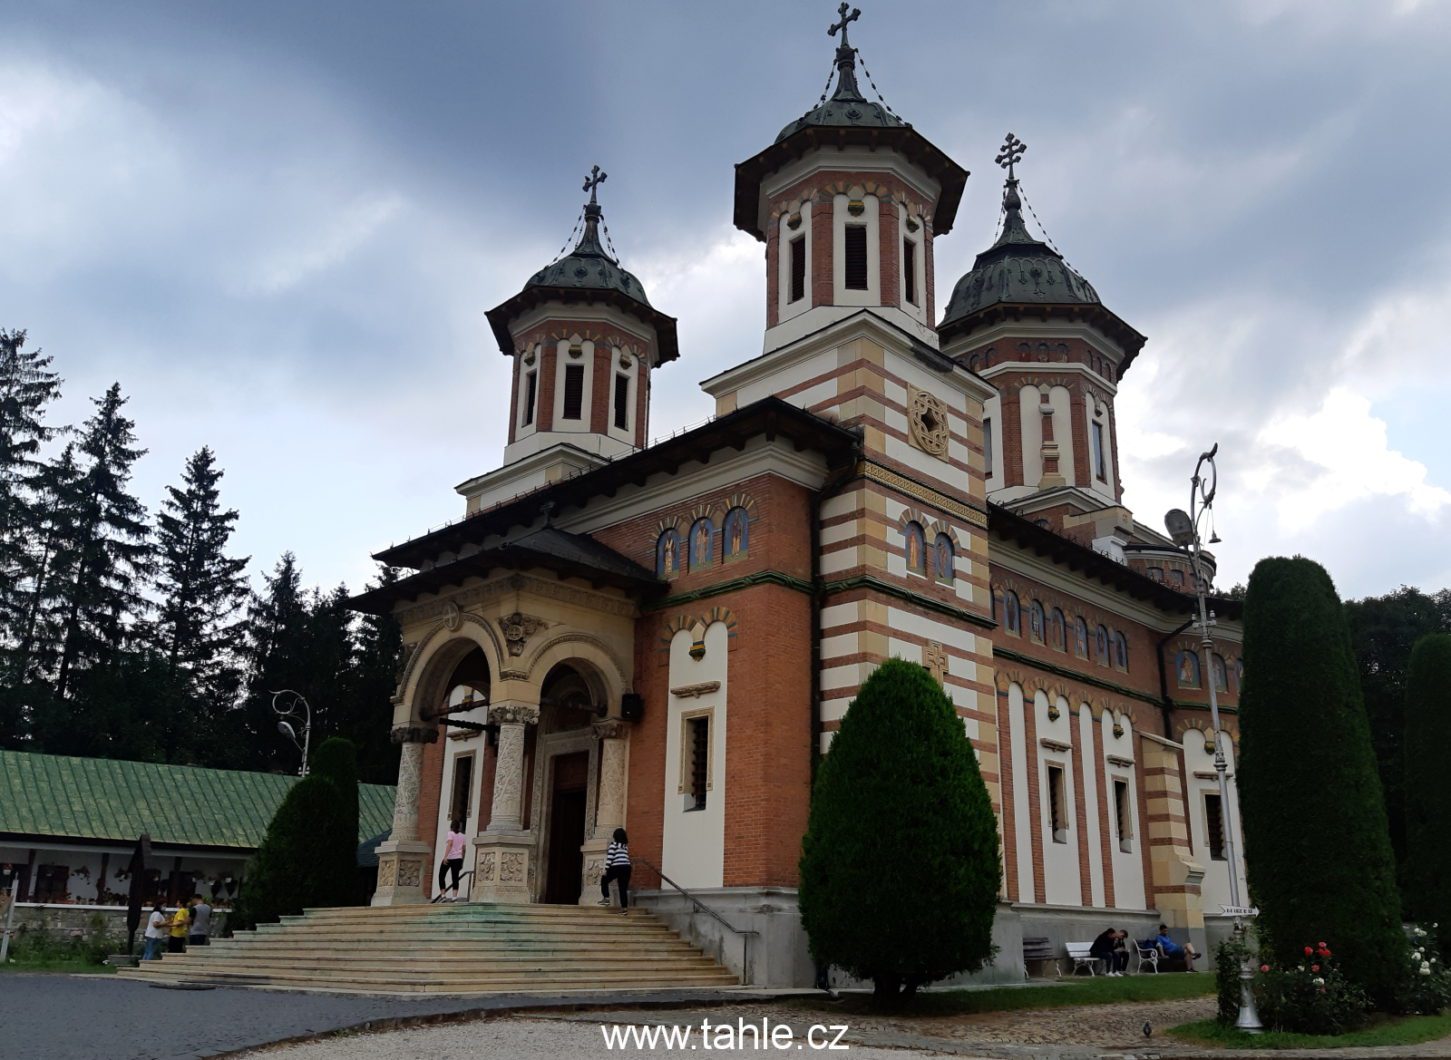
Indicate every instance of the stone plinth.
{"type": "Point", "coordinates": [402, 868]}
{"type": "Point", "coordinates": [501, 868]}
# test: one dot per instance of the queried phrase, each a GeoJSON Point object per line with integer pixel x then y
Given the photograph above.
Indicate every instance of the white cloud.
{"type": "Point", "coordinates": [1348, 447]}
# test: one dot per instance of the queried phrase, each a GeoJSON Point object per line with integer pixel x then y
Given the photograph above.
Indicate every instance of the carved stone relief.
{"type": "Point", "coordinates": [518, 628]}
{"type": "Point", "coordinates": [511, 866]}
{"type": "Point", "coordinates": [927, 421]}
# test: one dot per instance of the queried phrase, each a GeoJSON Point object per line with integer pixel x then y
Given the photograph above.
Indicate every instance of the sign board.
{"type": "Point", "coordinates": [1238, 910]}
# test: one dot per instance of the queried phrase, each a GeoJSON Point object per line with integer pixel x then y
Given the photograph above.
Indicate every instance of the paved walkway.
{"type": "Point", "coordinates": [79, 1017]}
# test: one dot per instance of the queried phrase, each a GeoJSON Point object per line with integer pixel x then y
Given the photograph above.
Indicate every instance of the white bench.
{"type": "Point", "coordinates": [1147, 955]}
{"type": "Point", "coordinates": [1078, 953]}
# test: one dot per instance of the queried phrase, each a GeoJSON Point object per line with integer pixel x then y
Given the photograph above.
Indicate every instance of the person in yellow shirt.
{"type": "Point", "coordinates": [180, 925]}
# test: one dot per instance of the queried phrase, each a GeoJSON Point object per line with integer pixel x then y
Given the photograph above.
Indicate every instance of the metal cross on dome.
{"type": "Point", "coordinates": [593, 181]}
{"type": "Point", "coordinates": [1011, 154]}
{"type": "Point", "coordinates": [846, 20]}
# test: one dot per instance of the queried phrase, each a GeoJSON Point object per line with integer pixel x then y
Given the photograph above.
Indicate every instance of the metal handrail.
{"type": "Point", "coordinates": [461, 877]}
{"type": "Point", "coordinates": [701, 907]}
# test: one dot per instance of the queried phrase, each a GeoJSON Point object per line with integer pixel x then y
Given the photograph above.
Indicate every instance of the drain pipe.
{"type": "Point", "coordinates": [1166, 705]}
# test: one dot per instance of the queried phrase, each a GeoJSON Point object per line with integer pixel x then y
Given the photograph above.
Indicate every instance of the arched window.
{"type": "Point", "coordinates": [1080, 638]}
{"type": "Point", "coordinates": [1036, 621]}
{"type": "Point", "coordinates": [702, 544]}
{"type": "Point", "coordinates": [914, 547]}
{"type": "Point", "coordinates": [1221, 674]}
{"type": "Point", "coordinates": [736, 530]}
{"type": "Point", "coordinates": [1120, 650]}
{"type": "Point", "coordinates": [1186, 669]}
{"type": "Point", "coordinates": [944, 559]}
{"type": "Point", "coordinates": [1239, 675]}
{"type": "Point", "coordinates": [667, 553]}
{"type": "Point", "coordinates": [1100, 646]}
{"type": "Point", "coordinates": [1058, 630]}
{"type": "Point", "coordinates": [1012, 613]}
{"type": "Point", "coordinates": [1156, 573]}
{"type": "Point", "coordinates": [1176, 579]}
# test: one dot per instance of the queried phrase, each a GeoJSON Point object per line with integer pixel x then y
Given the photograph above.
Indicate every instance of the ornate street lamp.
{"type": "Point", "coordinates": [290, 714]}
{"type": "Point", "coordinates": [1183, 527]}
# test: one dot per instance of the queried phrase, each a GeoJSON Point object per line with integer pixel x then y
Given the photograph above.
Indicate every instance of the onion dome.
{"type": "Point", "coordinates": [588, 273]}
{"type": "Point", "coordinates": [1019, 272]}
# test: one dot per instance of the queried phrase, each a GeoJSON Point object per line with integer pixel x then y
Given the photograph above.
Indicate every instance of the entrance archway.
{"type": "Point", "coordinates": [565, 770]}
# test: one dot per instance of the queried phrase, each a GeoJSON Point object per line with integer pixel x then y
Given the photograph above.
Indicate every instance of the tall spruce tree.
{"type": "Point", "coordinates": [276, 658]}
{"type": "Point", "coordinates": [1428, 785]}
{"type": "Point", "coordinates": [374, 679]}
{"type": "Point", "coordinates": [201, 589]}
{"type": "Point", "coordinates": [27, 387]}
{"type": "Point", "coordinates": [108, 555]}
{"type": "Point", "coordinates": [1316, 841]}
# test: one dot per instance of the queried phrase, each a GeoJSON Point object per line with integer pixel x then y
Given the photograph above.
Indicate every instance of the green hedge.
{"type": "Point", "coordinates": [1428, 785]}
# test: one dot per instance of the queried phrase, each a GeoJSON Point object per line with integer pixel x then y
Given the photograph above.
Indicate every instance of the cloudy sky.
{"type": "Point", "coordinates": [279, 226]}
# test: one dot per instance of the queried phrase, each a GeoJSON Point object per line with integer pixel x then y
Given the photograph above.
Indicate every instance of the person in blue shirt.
{"type": "Point", "coordinates": [1171, 948]}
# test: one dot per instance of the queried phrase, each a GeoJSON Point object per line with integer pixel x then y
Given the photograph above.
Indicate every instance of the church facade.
{"type": "Point", "coordinates": [665, 637]}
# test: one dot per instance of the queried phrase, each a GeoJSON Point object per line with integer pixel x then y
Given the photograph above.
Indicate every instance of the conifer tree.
{"type": "Point", "coordinates": [201, 589]}
{"type": "Point", "coordinates": [1317, 845]}
{"type": "Point", "coordinates": [1428, 785]}
{"type": "Point", "coordinates": [108, 554]}
{"type": "Point", "coordinates": [374, 679]}
{"type": "Point", "coordinates": [275, 656]}
{"type": "Point", "coordinates": [899, 865]}
{"type": "Point", "coordinates": [27, 387]}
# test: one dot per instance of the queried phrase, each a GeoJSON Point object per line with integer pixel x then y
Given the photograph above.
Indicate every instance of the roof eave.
{"type": "Point", "coordinates": [770, 416]}
{"type": "Point", "coordinates": [950, 176]}
{"type": "Point", "coordinates": [1129, 340]}
{"type": "Point", "coordinates": [667, 343]}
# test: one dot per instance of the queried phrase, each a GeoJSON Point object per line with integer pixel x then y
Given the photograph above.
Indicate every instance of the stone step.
{"type": "Point", "coordinates": [468, 951]}
{"type": "Point", "coordinates": [444, 961]}
{"type": "Point", "coordinates": [382, 971]}
{"type": "Point", "coordinates": [581, 980]}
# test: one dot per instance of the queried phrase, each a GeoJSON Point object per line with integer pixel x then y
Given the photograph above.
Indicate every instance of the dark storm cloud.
{"type": "Point", "coordinates": [279, 224]}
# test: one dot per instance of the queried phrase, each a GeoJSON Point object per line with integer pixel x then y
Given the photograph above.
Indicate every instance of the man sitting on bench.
{"type": "Point", "coordinates": [1171, 949]}
{"type": "Point", "coordinates": [1109, 948]}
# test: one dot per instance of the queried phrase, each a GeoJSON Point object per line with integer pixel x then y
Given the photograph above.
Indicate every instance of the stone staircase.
{"type": "Point", "coordinates": [448, 950]}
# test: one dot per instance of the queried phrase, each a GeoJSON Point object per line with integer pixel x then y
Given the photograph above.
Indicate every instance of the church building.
{"type": "Point", "coordinates": [666, 636]}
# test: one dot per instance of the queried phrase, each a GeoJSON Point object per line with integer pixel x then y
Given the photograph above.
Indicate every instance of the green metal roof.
{"type": "Point", "coordinates": [97, 798]}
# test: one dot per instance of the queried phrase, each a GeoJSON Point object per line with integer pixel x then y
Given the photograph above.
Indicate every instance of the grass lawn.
{"type": "Point", "coordinates": [72, 965]}
{"type": "Point", "coordinates": [1403, 1030]}
{"type": "Point", "coordinates": [1098, 990]}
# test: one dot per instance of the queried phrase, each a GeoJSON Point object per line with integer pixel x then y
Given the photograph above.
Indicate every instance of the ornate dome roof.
{"type": "Point", "coordinates": [1017, 269]}
{"type": "Point", "coordinates": [847, 107]}
{"type": "Point", "coordinates": [588, 266]}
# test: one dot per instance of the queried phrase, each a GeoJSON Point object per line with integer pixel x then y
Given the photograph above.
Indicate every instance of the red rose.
{"type": "Point", "coordinates": [1314, 967]}
{"type": "Point", "coordinates": [1309, 950]}
{"type": "Point", "coordinates": [1264, 967]}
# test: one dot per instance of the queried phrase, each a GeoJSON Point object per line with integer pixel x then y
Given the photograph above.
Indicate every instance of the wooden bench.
{"type": "Point", "coordinates": [1078, 953]}
{"type": "Point", "coordinates": [1040, 950]}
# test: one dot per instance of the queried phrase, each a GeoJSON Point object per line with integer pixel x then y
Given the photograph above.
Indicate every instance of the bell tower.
{"type": "Point", "coordinates": [1027, 322]}
{"type": "Point", "coordinates": [848, 200]}
{"type": "Point", "coordinates": [583, 340]}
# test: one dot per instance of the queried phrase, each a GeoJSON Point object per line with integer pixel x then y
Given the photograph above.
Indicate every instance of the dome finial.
{"type": "Point", "coordinates": [1010, 155]}
{"type": "Point", "coordinates": [594, 180]}
{"type": "Point", "coordinates": [846, 86]}
{"type": "Point", "coordinates": [1015, 229]}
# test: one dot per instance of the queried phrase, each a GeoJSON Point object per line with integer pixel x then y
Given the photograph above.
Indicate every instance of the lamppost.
{"type": "Point", "coordinates": [297, 709]}
{"type": "Point", "coordinates": [1183, 527]}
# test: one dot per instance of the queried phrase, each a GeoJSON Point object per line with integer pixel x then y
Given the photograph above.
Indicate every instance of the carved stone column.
{"type": "Point", "coordinates": [403, 860]}
{"type": "Point", "coordinates": [501, 851]}
{"type": "Point", "coordinates": [613, 734]}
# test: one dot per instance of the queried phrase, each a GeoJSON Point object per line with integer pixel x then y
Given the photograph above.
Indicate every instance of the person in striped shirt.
{"type": "Point", "coordinates": [617, 867]}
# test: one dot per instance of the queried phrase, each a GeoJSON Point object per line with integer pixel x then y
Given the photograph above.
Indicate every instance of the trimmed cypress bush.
{"type": "Point", "coordinates": [309, 856]}
{"type": "Point", "coordinates": [1317, 845]}
{"type": "Point", "coordinates": [1428, 785]}
{"type": "Point", "coordinates": [899, 865]}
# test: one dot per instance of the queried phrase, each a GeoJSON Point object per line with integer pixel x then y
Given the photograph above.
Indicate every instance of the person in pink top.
{"type": "Point", "coordinates": [453, 858]}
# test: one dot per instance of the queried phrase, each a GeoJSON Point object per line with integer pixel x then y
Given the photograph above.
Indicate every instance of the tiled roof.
{"type": "Point", "coordinates": [97, 798]}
